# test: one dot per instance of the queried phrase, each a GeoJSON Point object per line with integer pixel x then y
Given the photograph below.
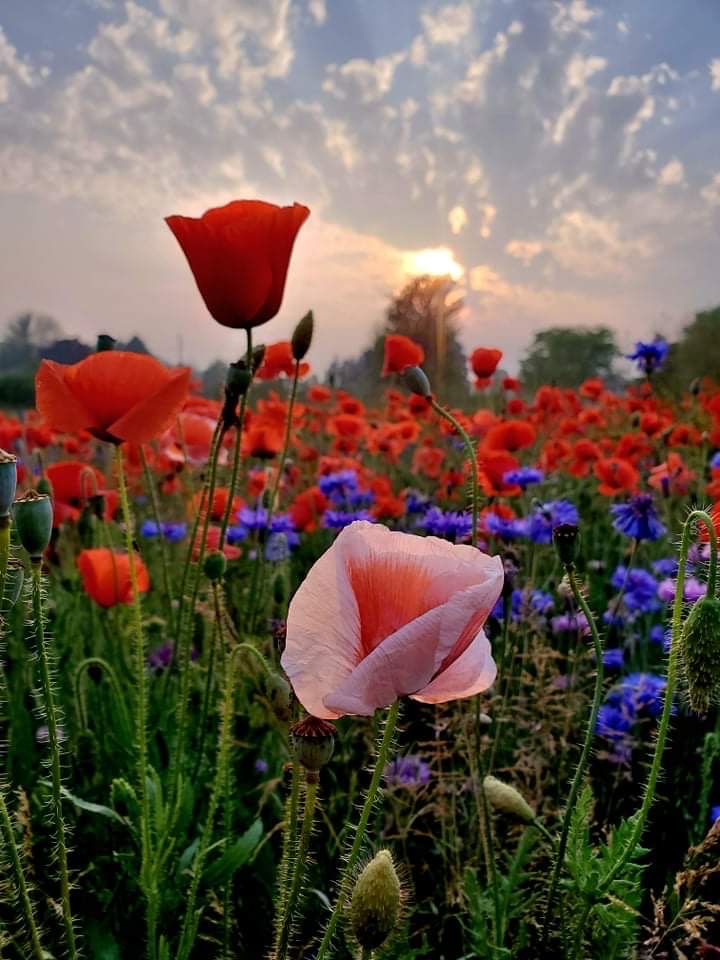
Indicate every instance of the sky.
{"type": "Point", "coordinates": [561, 157]}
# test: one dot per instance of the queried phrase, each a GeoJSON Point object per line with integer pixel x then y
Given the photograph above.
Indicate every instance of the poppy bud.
{"type": "Point", "coordinates": [507, 799]}
{"type": "Point", "coordinates": [701, 653]}
{"type": "Point", "coordinates": [33, 522]}
{"type": "Point", "coordinates": [8, 481]}
{"type": "Point", "coordinates": [215, 566]}
{"type": "Point", "coordinates": [565, 537]}
{"type": "Point", "coordinates": [313, 740]}
{"type": "Point", "coordinates": [104, 343]}
{"type": "Point", "coordinates": [376, 902]}
{"type": "Point", "coordinates": [13, 585]}
{"type": "Point", "coordinates": [416, 381]}
{"type": "Point", "coordinates": [302, 336]}
{"type": "Point", "coordinates": [237, 380]}
{"type": "Point", "coordinates": [280, 696]}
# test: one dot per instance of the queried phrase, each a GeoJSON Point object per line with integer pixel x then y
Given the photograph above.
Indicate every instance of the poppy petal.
{"type": "Point", "coordinates": [155, 413]}
{"type": "Point", "coordinates": [55, 401]}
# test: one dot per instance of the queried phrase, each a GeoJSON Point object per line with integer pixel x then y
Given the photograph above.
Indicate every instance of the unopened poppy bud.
{"type": "Point", "coordinates": [8, 482]}
{"type": "Point", "coordinates": [701, 653]}
{"type": "Point", "coordinates": [215, 566]}
{"type": "Point", "coordinates": [416, 381]}
{"type": "Point", "coordinates": [501, 796]}
{"type": "Point", "coordinates": [376, 902]}
{"type": "Point", "coordinates": [13, 585]}
{"type": "Point", "coordinates": [33, 515]}
{"type": "Point", "coordinates": [313, 740]}
{"type": "Point", "coordinates": [565, 537]}
{"type": "Point", "coordinates": [104, 343]}
{"type": "Point", "coordinates": [237, 380]}
{"type": "Point", "coordinates": [302, 336]}
{"type": "Point", "coordinates": [279, 694]}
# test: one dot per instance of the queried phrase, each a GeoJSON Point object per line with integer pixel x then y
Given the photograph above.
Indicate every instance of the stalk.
{"type": "Point", "coordinates": [470, 451]}
{"type": "Point", "coordinates": [311, 789]}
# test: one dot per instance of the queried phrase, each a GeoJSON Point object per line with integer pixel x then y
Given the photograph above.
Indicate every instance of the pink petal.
{"type": "Point", "coordinates": [472, 672]}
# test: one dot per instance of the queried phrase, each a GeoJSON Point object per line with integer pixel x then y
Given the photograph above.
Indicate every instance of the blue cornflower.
{"type": "Point", "coordinates": [524, 476]}
{"type": "Point", "coordinates": [665, 567]}
{"type": "Point", "coordinates": [649, 356]}
{"type": "Point", "coordinates": [546, 516]}
{"type": "Point", "coordinates": [451, 525]}
{"type": "Point", "coordinates": [640, 589]}
{"type": "Point", "coordinates": [506, 529]}
{"type": "Point", "coordinates": [637, 518]}
{"type": "Point", "coordinates": [715, 461]}
{"type": "Point", "coordinates": [337, 519]}
{"type": "Point", "coordinates": [541, 602]}
{"type": "Point", "coordinates": [174, 532]}
{"type": "Point", "coordinates": [340, 485]}
{"type": "Point", "coordinates": [613, 722]}
{"type": "Point", "coordinates": [408, 771]}
{"type": "Point", "coordinates": [714, 814]}
{"type": "Point", "coordinates": [416, 502]}
{"type": "Point", "coordinates": [614, 658]}
{"type": "Point", "coordinates": [657, 635]}
{"type": "Point", "coordinates": [148, 529]}
{"type": "Point", "coordinates": [277, 548]}
{"type": "Point", "coordinates": [261, 766]}
{"type": "Point", "coordinates": [236, 533]}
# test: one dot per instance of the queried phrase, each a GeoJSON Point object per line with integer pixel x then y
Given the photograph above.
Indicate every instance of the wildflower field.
{"type": "Point", "coordinates": [286, 675]}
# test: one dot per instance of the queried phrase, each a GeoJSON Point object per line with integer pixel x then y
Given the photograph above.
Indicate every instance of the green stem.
{"type": "Point", "coordinates": [26, 906]}
{"type": "Point", "coordinates": [672, 673]}
{"type": "Point", "coordinates": [54, 742]}
{"type": "Point", "coordinates": [347, 875]}
{"type": "Point", "coordinates": [140, 710]}
{"type": "Point", "coordinates": [470, 450]}
{"type": "Point", "coordinates": [4, 555]}
{"type": "Point", "coordinates": [311, 789]}
{"type": "Point", "coordinates": [289, 846]}
{"type": "Point", "coordinates": [238, 445]}
{"type": "Point", "coordinates": [584, 756]}
{"type": "Point", "coordinates": [155, 507]}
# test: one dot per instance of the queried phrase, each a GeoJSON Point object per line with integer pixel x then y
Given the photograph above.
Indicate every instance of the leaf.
{"type": "Point", "coordinates": [235, 856]}
{"type": "Point", "coordinates": [88, 807]}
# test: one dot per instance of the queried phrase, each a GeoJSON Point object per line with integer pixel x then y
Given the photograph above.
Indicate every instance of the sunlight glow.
{"type": "Point", "coordinates": [433, 261]}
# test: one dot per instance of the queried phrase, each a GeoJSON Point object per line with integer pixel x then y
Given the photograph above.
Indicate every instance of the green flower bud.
{"type": "Point", "coordinates": [565, 538]}
{"type": "Point", "coordinates": [501, 796]}
{"type": "Point", "coordinates": [313, 740]}
{"type": "Point", "coordinates": [33, 521]}
{"type": "Point", "coordinates": [376, 902]}
{"type": "Point", "coordinates": [8, 481]}
{"type": "Point", "coordinates": [700, 648]}
{"type": "Point", "coordinates": [237, 380]}
{"type": "Point", "coordinates": [302, 336]}
{"type": "Point", "coordinates": [215, 566]}
{"type": "Point", "coordinates": [416, 381]}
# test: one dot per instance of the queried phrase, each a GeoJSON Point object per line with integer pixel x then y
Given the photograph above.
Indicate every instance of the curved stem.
{"type": "Point", "coordinates": [23, 893]}
{"type": "Point", "coordinates": [155, 506]}
{"type": "Point", "coordinates": [140, 708]}
{"type": "Point", "coordinates": [470, 450]}
{"type": "Point", "coordinates": [347, 875]}
{"type": "Point", "coordinates": [54, 742]}
{"type": "Point", "coordinates": [584, 756]}
{"type": "Point", "coordinates": [300, 865]}
{"type": "Point", "coordinates": [672, 672]}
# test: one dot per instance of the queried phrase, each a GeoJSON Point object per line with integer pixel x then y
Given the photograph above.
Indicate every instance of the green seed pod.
{"type": "Point", "coordinates": [700, 648]}
{"type": "Point", "coordinates": [302, 336]}
{"type": "Point", "coordinates": [313, 740]}
{"type": "Point", "coordinates": [13, 585]}
{"type": "Point", "coordinates": [501, 796]}
{"type": "Point", "coordinates": [33, 521]}
{"type": "Point", "coordinates": [215, 566]}
{"type": "Point", "coordinates": [565, 538]}
{"type": "Point", "coordinates": [8, 481]}
{"type": "Point", "coordinates": [279, 693]}
{"type": "Point", "coordinates": [376, 902]}
{"type": "Point", "coordinates": [416, 381]}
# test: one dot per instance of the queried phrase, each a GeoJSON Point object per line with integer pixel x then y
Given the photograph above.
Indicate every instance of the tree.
{"type": "Point", "coordinates": [695, 355]}
{"type": "Point", "coordinates": [565, 356]}
{"type": "Point", "coordinates": [25, 334]}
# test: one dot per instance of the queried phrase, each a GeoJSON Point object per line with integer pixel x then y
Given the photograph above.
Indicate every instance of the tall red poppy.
{"type": "Point", "coordinates": [277, 359]}
{"type": "Point", "coordinates": [115, 396]}
{"type": "Point", "coordinates": [401, 352]}
{"type": "Point", "coordinates": [239, 255]}
{"type": "Point", "coordinates": [484, 362]}
{"type": "Point", "coordinates": [106, 576]}
{"type": "Point", "coordinates": [616, 476]}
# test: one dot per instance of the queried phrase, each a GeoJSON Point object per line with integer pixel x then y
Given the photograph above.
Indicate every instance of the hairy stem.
{"type": "Point", "coordinates": [472, 458]}
{"type": "Point", "coordinates": [311, 789]}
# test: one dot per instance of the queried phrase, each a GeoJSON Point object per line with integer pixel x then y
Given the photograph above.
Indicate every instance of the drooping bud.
{"type": "Point", "coordinates": [104, 343]}
{"type": "Point", "coordinates": [8, 482]}
{"type": "Point", "coordinates": [279, 693]}
{"type": "Point", "coordinates": [700, 648]}
{"type": "Point", "coordinates": [33, 515]}
{"type": "Point", "coordinates": [376, 902]}
{"type": "Point", "coordinates": [313, 740]}
{"type": "Point", "coordinates": [215, 566]}
{"type": "Point", "coordinates": [416, 380]}
{"type": "Point", "coordinates": [507, 799]}
{"type": "Point", "coordinates": [302, 336]}
{"type": "Point", "coordinates": [565, 538]}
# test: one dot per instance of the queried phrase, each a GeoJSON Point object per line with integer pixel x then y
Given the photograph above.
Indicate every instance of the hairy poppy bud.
{"type": "Point", "coordinates": [313, 740]}
{"type": "Point", "coordinates": [105, 342]}
{"type": "Point", "coordinates": [302, 336]}
{"type": "Point", "coordinates": [33, 521]}
{"type": "Point", "coordinates": [701, 653]}
{"type": "Point", "coordinates": [376, 902]}
{"type": "Point", "coordinates": [565, 537]}
{"type": "Point", "coordinates": [8, 481]}
{"type": "Point", "coordinates": [507, 799]}
{"type": "Point", "coordinates": [215, 565]}
{"type": "Point", "coordinates": [416, 381]}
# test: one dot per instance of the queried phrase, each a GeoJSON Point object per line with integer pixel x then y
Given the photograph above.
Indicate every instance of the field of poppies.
{"type": "Point", "coordinates": [285, 676]}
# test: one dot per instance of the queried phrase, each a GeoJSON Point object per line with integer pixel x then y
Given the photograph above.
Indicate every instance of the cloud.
{"type": "Point", "coordinates": [450, 25]}
{"type": "Point", "coordinates": [368, 80]}
{"type": "Point", "coordinates": [318, 11]}
{"type": "Point", "coordinates": [710, 193]}
{"type": "Point", "coordinates": [458, 219]}
{"type": "Point", "coordinates": [672, 174]}
{"type": "Point", "coordinates": [524, 250]}
{"type": "Point", "coordinates": [591, 246]}
{"type": "Point", "coordinates": [714, 67]}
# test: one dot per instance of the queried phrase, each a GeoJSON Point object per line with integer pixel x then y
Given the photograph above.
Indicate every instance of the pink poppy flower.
{"type": "Point", "coordinates": [383, 615]}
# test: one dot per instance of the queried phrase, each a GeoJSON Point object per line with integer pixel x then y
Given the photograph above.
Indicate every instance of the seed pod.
{"type": "Point", "coordinates": [416, 380]}
{"type": "Point", "coordinates": [314, 741]}
{"type": "Point", "coordinates": [376, 901]}
{"type": "Point", "coordinates": [565, 537]}
{"type": "Point", "coordinates": [700, 648]}
{"type": "Point", "coordinates": [8, 481]}
{"type": "Point", "coordinates": [501, 796]}
{"type": "Point", "coordinates": [302, 336]}
{"type": "Point", "coordinates": [215, 566]}
{"type": "Point", "coordinates": [33, 521]}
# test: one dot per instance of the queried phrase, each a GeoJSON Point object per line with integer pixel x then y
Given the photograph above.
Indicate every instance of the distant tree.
{"type": "Point", "coordinates": [565, 356]}
{"type": "Point", "coordinates": [213, 379]}
{"type": "Point", "coordinates": [133, 345]}
{"type": "Point", "coordinates": [24, 336]}
{"type": "Point", "coordinates": [67, 350]}
{"type": "Point", "coordinates": [695, 354]}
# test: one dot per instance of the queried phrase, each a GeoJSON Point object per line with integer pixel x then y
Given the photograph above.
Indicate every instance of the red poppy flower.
{"type": "Point", "coordinates": [114, 395]}
{"type": "Point", "coordinates": [616, 476]}
{"type": "Point", "coordinates": [672, 476]}
{"type": "Point", "coordinates": [593, 389]}
{"type": "Point", "coordinates": [484, 362]}
{"type": "Point", "coordinates": [72, 483]}
{"type": "Point", "coordinates": [511, 435]}
{"type": "Point", "coordinates": [319, 394]}
{"type": "Point", "coordinates": [106, 576]}
{"type": "Point", "coordinates": [307, 508]}
{"type": "Point", "coordinates": [239, 255]}
{"type": "Point", "coordinates": [401, 352]}
{"type": "Point", "coordinates": [494, 464]}
{"type": "Point", "coordinates": [278, 359]}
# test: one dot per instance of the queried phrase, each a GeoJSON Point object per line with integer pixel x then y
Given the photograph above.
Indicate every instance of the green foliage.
{"type": "Point", "coordinates": [695, 355]}
{"type": "Point", "coordinates": [565, 356]}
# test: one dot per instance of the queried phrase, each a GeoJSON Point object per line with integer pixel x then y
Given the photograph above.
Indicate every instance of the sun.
{"type": "Point", "coordinates": [433, 261]}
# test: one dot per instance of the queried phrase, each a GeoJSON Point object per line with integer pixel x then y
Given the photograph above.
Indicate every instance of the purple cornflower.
{"type": "Point", "coordinates": [636, 696]}
{"type": "Point", "coordinates": [715, 461]}
{"type": "Point", "coordinates": [649, 356]}
{"type": "Point", "coordinates": [546, 516]}
{"type": "Point", "coordinates": [161, 657]}
{"type": "Point", "coordinates": [692, 591]}
{"type": "Point", "coordinates": [640, 589]}
{"type": "Point", "coordinates": [451, 525]}
{"type": "Point", "coordinates": [261, 766]}
{"type": "Point", "coordinates": [408, 771]}
{"type": "Point", "coordinates": [416, 502]}
{"type": "Point", "coordinates": [637, 518]}
{"type": "Point", "coordinates": [337, 519]}
{"type": "Point", "coordinates": [614, 658]}
{"type": "Point", "coordinates": [524, 476]}
{"type": "Point", "coordinates": [714, 814]}
{"type": "Point", "coordinates": [505, 529]}
{"type": "Point", "coordinates": [173, 532]}
{"type": "Point", "coordinates": [566, 622]}
{"type": "Point", "coordinates": [665, 567]}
